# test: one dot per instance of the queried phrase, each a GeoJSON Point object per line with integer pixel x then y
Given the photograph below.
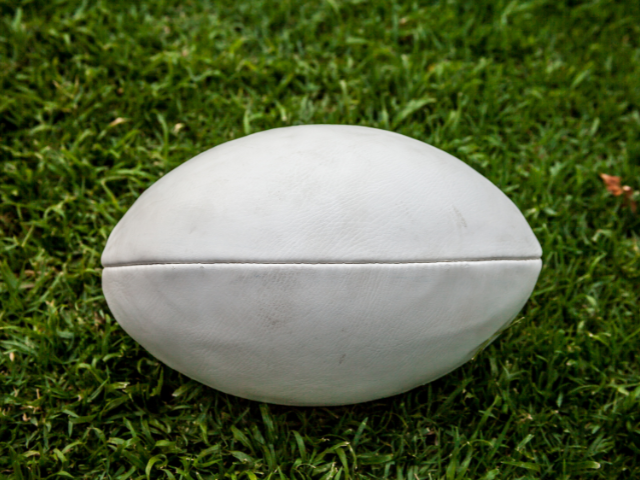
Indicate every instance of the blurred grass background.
{"type": "Point", "coordinates": [98, 99]}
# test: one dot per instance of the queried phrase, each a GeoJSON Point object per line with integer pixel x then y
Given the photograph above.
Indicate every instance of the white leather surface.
{"type": "Point", "coordinates": [319, 265]}
{"type": "Point", "coordinates": [323, 334]}
{"type": "Point", "coordinates": [321, 193]}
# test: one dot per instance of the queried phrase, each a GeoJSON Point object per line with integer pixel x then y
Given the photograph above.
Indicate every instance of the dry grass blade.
{"type": "Point", "coordinates": [118, 121]}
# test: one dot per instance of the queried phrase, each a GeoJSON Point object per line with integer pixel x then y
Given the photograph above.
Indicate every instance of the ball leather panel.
{"type": "Point", "coordinates": [317, 334]}
{"type": "Point", "coordinates": [321, 193]}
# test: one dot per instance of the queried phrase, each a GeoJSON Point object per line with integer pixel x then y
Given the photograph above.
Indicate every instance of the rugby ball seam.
{"type": "Point", "coordinates": [462, 260]}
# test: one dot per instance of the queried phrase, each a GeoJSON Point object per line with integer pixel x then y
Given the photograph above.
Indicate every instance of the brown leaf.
{"type": "Point", "coordinates": [612, 184]}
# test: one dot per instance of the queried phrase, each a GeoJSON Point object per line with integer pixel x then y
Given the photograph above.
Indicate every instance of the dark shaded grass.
{"type": "Point", "coordinates": [538, 96]}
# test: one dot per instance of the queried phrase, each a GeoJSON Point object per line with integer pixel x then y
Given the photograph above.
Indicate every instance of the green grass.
{"type": "Point", "coordinates": [538, 96]}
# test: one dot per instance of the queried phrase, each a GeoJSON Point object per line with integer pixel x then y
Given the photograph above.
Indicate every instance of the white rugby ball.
{"type": "Point", "coordinates": [319, 265]}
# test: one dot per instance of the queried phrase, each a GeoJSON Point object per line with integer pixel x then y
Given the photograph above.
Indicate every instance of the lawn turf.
{"type": "Point", "coordinates": [99, 99]}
